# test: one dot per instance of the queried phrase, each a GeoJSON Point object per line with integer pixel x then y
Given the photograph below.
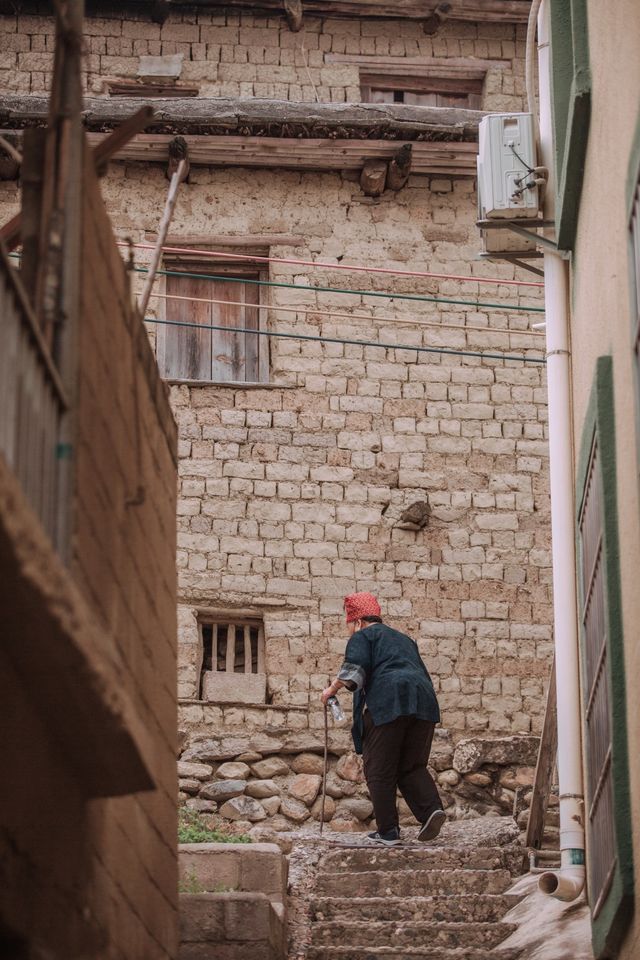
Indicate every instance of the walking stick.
{"type": "Point", "coordinates": [324, 768]}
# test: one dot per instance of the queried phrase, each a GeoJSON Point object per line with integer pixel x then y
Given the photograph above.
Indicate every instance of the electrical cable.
{"type": "Point", "coordinates": [349, 316]}
{"type": "Point", "coordinates": [353, 343]}
{"type": "Point", "coordinates": [359, 293]}
{"type": "Point", "coordinates": [352, 268]}
{"type": "Point", "coordinates": [523, 162]}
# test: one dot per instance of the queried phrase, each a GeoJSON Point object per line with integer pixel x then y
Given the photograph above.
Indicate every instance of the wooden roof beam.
{"type": "Point", "coordinates": [296, 153]}
{"type": "Point", "coordinates": [487, 11]}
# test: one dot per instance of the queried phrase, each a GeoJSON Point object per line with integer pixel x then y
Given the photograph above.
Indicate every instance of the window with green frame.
{"type": "Point", "coordinates": [607, 797]}
{"type": "Point", "coordinates": [571, 98]}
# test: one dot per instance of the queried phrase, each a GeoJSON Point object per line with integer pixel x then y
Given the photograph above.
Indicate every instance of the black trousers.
{"type": "Point", "coordinates": [395, 756]}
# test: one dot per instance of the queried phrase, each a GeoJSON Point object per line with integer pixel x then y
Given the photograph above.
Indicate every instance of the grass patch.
{"type": "Point", "coordinates": [193, 828]}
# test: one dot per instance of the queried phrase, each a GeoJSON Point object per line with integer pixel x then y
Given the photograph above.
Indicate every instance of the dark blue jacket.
{"type": "Point", "coordinates": [390, 678]}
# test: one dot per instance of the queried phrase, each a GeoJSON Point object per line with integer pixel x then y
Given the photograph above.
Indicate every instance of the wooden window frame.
{"type": "Point", "coordinates": [461, 76]}
{"type": "Point", "coordinates": [215, 267]}
{"type": "Point", "coordinates": [230, 685]}
{"type": "Point", "coordinates": [437, 86]}
{"type": "Point", "coordinates": [610, 916]}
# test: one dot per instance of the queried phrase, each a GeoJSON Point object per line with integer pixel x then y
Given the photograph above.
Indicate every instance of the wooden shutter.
{"type": "Point", "coordinates": [206, 354]}
{"type": "Point", "coordinates": [188, 349]}
{"type": "Point", "coordinates": [600, 813]}
{"type": "Point", "coordinates": [235, 355]}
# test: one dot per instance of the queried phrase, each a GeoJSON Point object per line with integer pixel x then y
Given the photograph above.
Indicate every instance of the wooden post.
{"type": "Point", "coordinates": [293, 13]}
{"type": "Point", "coordinates": [231, 648]}
{"type": "Point", "coordinates": [247, 649]}
{"type": "Point", "coordinates": [373, 178]}
{"type": "Point", "coordinates": [544, 771]}
{"type": "Point", "coordinates": [162, 233]}
{"type": "Point", "coordinates": [30, 224]}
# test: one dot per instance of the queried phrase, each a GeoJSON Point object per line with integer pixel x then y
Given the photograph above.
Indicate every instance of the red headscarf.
{"type": "Point", "coordinates": [359, 605]}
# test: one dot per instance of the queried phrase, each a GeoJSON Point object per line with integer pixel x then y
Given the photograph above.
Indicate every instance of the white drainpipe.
{"type": "Point", "coordinates": [568, 882]}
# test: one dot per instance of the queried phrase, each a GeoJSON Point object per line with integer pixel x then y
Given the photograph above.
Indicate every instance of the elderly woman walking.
{"type": "Point", "coordinates": [395, 711]}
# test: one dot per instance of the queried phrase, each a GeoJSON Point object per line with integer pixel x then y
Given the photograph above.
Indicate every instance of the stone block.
{"type": "Point", "coordinates": [242, 808]}
{"type": "Point", "coordinates": [269, 768]}
{"type": "Point", "coordinates": [361, 809]}
{"type": "Point", "coordinates": [294, 809]}
{"type": "Point", "coordinates": [349, 767]}
{"type": "Point", "coordinates": [471, 754]}
{"type": "Point", "coordinates": [308, 763]}
{"type": "Point", "coordinates": [222, 790]}
{"type": "Point", "coordinates": [305, 787]}
{"type": "Point", "coordinates": [202, 918]}
{"type": "Point", "coordinates": [233, 771]}
{"type": "Point", "coordinates": [199, 771]}
{"type": "Point", "coordinates": [222, 687]}
{"type": "Point", "coordinates": [262, 789]}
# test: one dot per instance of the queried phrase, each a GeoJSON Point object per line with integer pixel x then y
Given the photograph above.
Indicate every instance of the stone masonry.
{"type": "Point", "coordinates": [240, 55]}
{"type": "Point", "coordinates": [298, 491]}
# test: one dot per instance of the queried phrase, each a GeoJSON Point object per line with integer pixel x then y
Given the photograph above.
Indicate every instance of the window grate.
{"type": "Point", "coordinates": [231, 649]}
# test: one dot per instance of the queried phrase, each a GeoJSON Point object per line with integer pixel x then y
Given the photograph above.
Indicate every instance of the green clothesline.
{"type": "Point", "coordinates": [355, 343]}
{"type": "Point", "coordinates": [359, 293]}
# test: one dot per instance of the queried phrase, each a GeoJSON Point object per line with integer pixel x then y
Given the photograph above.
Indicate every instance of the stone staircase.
{"type": "Point", "coordinates": [443, 901]}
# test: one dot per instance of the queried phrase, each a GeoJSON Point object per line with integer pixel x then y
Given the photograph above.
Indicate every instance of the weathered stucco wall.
{"type": "Point", "coordinates": [241, 55]}
{"type": "Point", "coordinates": [602, 321]}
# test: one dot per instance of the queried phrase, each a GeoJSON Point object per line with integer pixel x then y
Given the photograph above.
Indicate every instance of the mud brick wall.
{"type": "Point", "coordinates": [239, 55]}
{"type": "Point", "coordinates": [91, 869]}
{"type": "Point", "coordinates": [291, 494]}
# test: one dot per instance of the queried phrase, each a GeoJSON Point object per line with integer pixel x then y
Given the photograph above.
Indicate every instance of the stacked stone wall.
{"type": "Point", "coordinates": [239, 55]}
{"type": "Point", "coordinates": [264, 783]}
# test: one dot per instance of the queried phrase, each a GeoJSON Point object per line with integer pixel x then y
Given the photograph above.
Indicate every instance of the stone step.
{"type": "Point", "coordinates": [475, 907]}
{"type": "Point", "coordinates": [417, 883]}
{"type": "Point", "coordinates": [421, 857]}
{"type": "Point", "coordinates": [337, 951]}
{"type": "Point", "coordinates": [411, 934]}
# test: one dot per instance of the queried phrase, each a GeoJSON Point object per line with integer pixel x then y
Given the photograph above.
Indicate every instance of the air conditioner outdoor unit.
{"type": "Point", "coordinates": [507, 188]}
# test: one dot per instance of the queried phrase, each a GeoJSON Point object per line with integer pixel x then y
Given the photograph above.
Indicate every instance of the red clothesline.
{"type": "Point", "coordinates": [333, 266]}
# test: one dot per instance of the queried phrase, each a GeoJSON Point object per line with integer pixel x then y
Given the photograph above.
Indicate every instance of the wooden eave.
{"type": "Point", "coordinates": [487, 11]}
{"type": "Point", "coordinates": [295, 153]}
{"type": "Point", "coordinates": [278, 134]}
{"type": "Point", "coordinates": [254, 117]}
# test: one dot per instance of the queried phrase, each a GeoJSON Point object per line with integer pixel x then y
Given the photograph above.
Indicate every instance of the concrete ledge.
{"type": "Point", "coordinates": [246, 868]}
{"type": "Point", "coordinates": [238, 926]}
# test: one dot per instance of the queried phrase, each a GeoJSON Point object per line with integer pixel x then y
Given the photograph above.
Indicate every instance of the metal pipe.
{"type": "Point", "coordinates": [568, 882]}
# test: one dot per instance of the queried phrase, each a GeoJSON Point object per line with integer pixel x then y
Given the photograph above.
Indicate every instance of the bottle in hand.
{"type": "Point", "coordinates": [334, 704]}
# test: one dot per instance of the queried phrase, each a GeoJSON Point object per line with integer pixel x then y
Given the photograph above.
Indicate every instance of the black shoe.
{"type": "Point", "coordinates": [432, 826]}
{"type": "Point", "coordinates": [390, 839]}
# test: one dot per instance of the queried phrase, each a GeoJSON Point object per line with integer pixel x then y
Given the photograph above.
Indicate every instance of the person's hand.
{"type": "Point", "coordinates": [326, 693]}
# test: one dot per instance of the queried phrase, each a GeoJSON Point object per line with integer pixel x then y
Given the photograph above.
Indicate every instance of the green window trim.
{"type": "Point", "coordinates": [571, 100]}
{"type": "Point", "coordinates": [609, 926]}
{"type": "Point", "coordinates": [633, 172]}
